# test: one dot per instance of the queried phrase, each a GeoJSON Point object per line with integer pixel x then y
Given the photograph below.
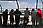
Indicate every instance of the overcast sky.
{"type": "Point", "coordinates": [22, 4]}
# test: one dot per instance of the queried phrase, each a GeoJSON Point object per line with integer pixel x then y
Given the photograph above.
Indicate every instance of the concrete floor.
{"type": "Point", "coordinates": [13, 26]}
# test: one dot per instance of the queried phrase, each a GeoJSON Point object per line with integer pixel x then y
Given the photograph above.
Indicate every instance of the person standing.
{"type": "Point", "coordinates": [39, 14]}
{"type": "Point", "coordinates": [5, 16]}
{"type": "Point", "coordinates": [17, 16]}
{"type": "Point", "coordinates": [26, 16]}
{"type": "Point", "coordinates": [11, 16]}
{"type": "Point", "coordinates": [33, 14]}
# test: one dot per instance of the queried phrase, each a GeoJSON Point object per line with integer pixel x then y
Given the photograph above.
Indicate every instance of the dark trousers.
{"type": "Point", "coordinates": [33, 22]}
{"type": "Point", "coordinates": [17, 21]}
{"type": "Point", "coordinates": [26, 20]}
{"type": "Point", "coordinates": [12, 20]}
{"type": "Point", "coordinates": [5, 18]}
{"type": "Point", "coordinates": [5, 22]}
{"type": "Point", "coordinates": [0, 21]}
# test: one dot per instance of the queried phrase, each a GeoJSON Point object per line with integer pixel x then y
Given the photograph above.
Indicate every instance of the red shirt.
{"type": "Point", "coordinates": [39, 13]}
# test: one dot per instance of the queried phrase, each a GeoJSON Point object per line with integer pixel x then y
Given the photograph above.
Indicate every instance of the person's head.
{"type": "Point", "coordinates": [12, 10]}
{"type": "Point", "coordinates": [6, 10]}
{"type": "Point", "coordinates": [38, 9]}
{"type": "Point", "coordinates": [26, 8]}
{"type": "Point", "coordinates": [32, 9]}
{"type": "Point", "coordinates": [17, 10]}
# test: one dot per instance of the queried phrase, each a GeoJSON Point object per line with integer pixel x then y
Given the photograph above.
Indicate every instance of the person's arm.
{"type": "Point", "coordinates": [14, 12]}
{"type": "Point", "coordinates": [20, 13]}
{"type": "Point", "coordinates": [3, 12]}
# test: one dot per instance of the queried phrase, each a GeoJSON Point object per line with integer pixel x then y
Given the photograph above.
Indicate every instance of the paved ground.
{"type": "Point", "coordinates": [20, 26]}
{"type": "Point", "coordinates": [12, 26]}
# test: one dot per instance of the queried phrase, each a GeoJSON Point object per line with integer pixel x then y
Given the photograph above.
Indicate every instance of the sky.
{"type": "Point", "coordinates": [22, 4]}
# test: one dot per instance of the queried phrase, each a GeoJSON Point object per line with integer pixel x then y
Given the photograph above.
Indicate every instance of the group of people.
{"type": "Point", "coordinates": [17, 14]}
{"type": "Point", "coordinates": [36, 15]}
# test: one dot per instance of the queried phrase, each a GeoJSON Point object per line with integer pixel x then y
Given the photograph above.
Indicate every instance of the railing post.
{"type": "Point", "coordinates": [17, 4]}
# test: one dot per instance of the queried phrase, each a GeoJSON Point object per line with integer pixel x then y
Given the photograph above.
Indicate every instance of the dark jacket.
{"type": "Point", "coordinates": [11, 16]}
{"type": "Point", "coordinates": [17, 15]}
{"type": "Point", "coordinates": [27, 13]}
{"type": "Point", "coordinates": [5, 15]}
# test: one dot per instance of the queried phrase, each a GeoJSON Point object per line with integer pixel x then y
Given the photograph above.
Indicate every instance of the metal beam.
{"type": "Point", "coordinates": [1, 8]}
{"type": "Point", "coordinates": [17, 4]}
{"type": "Point", "coordinates": [36, 3]}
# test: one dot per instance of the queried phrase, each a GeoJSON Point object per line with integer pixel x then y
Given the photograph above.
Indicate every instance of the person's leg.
{"type": "Point", "coordinates": [0, 22]}
{"type": "Point", "coordinates": [24, 22]}
{"type": "Point", "coordinates": [16, 22]}
{"type": "Point", "coordinates": [37, 20]}
{"type": "Point", "coordinates": [27, 20]}
{"type": "Point", "coordinates": [33, 22]}
{"type": "Point", "coordinates": [4, 22]}
{"type": "Point", "coordinates": [10, 21]}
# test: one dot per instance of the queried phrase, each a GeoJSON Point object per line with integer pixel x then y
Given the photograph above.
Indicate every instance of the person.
{"type": "Point", "coordinates": [11, 16]}
{"type": "Point", "coordinates": [26, 15]}
{"type": "Point", "coordinates": [42, 17]}
{"type": "Point", "coordinates": [39, 16]}
{"type": "Point", "coordinates": [0, 20]}
{"type": "Point", "coordinates": [17, 16]}
{"type": "Point", "coordinates": [5, 16]}
{"type": "Point", "coordinates": [33, 14]}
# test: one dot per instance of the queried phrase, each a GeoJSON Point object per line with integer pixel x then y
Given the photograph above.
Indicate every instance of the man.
{"type": "Point", "coordinates": [17, 16]}
{"type": "Point", "coordinates": [26, 15]}
{"type": "Point", "coordinates": [0, 20]}
{"type": "Point", "coordinates": [33, 14]}
{"type": "Point", "coordinates": [5, 16]}
{"type": "Point", "coordinates": [11, 16]}
{"type": "Point", "coordinates": [39, 15]}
